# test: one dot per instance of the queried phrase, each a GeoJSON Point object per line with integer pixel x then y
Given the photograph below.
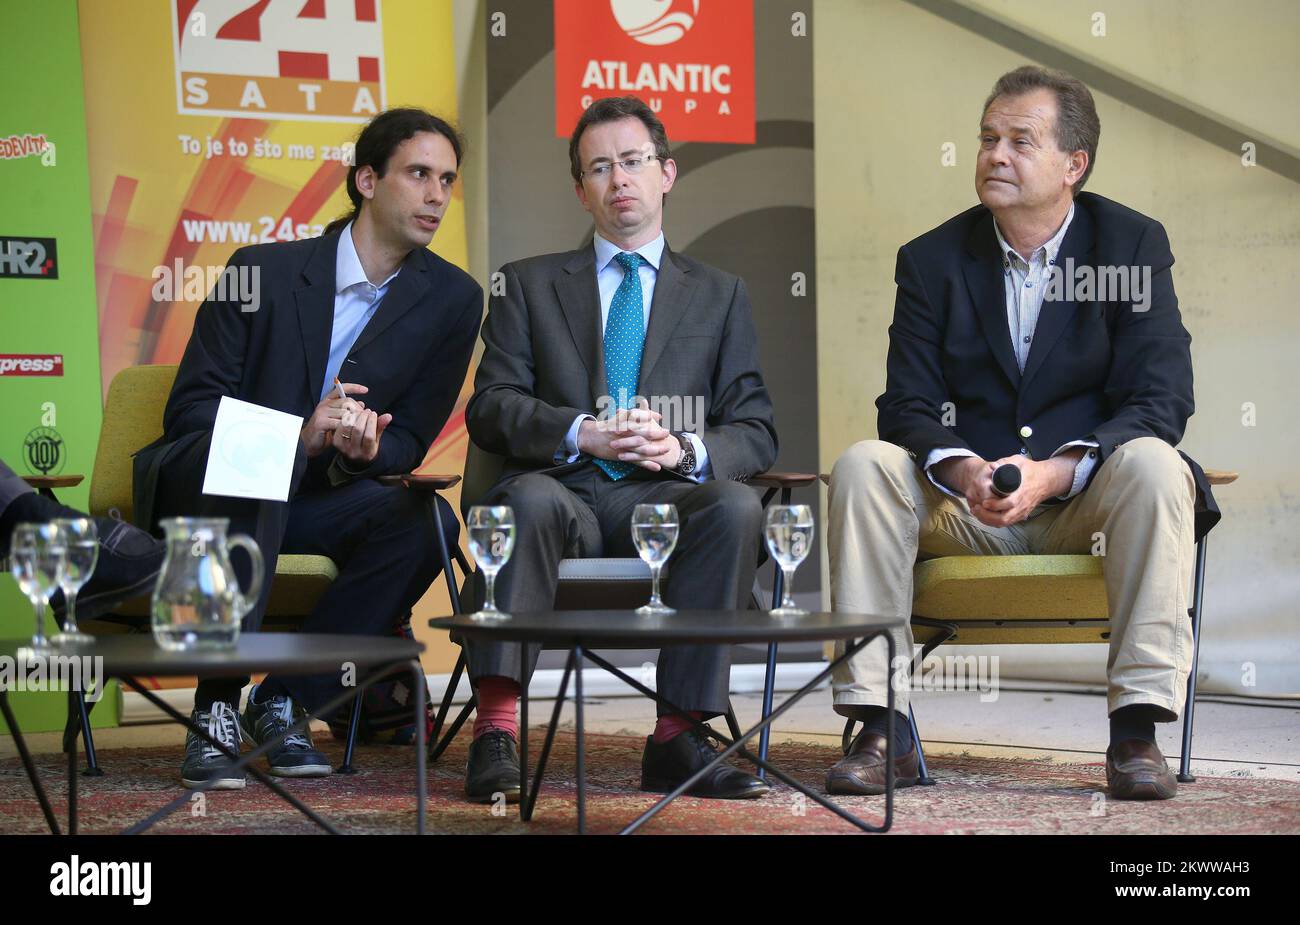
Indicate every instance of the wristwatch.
{"type": "Point", "coordinates": [685, 464]}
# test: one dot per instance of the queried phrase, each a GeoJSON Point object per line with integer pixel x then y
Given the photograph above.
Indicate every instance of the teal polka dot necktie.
{"type": "Point", "coordinates": [624, 340]}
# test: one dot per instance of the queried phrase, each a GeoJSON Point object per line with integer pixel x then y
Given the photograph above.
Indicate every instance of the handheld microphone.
{"type": "Point", "coordinates": [1006, 479]}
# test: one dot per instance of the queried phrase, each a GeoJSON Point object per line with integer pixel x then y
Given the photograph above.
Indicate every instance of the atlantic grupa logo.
{"type": "Point", "coordinates": [655, 22]}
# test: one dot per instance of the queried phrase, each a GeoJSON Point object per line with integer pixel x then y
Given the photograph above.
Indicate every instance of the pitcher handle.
{"type": "Point", "coordinates": [254, 590]}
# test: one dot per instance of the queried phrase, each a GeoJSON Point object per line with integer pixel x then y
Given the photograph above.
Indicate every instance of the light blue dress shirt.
{"type": "Point", "coordinates": [608, 277]}
{"type": "Point", "coordinates": [356, 299]}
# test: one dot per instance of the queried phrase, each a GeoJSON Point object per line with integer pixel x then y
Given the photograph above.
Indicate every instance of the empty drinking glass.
{"type": "Point", "coordinates": [491, 539]}
{"type": "Point", "coordinates": [81, 539]}
{"type": "Point", "coordinates": [654, 532]}
{"type": "Point", "coordinates": [789, 532]}
{"type": "Point", "coordinates": [36, 559]}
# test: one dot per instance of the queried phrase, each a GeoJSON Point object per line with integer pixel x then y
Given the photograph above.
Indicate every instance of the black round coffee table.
{"type": "Point", "coordinates": [128, 657]}
{"type": "Point", "coordinates": [579, 631]}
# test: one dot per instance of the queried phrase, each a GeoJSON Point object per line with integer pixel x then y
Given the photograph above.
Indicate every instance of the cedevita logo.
{"type": "Point", "coordinates": [655, 22]}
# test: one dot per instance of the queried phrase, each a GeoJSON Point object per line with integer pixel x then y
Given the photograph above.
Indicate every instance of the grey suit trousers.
{"type": "Point", "coordinates": [583, 514]}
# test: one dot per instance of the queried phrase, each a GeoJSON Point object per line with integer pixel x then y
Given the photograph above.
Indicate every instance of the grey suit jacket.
{"type": "Point", "coordinates": [543, 362]}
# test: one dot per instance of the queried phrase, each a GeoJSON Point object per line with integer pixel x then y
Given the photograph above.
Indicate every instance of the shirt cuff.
{"type": "Point", "coordinates": [1083, 468]}
{"type": "Point", "coordinates": [937, 456]}
{"type": "Point", "coordinates": [569, 452]}
{"type": "Point", "coordinates": [703, 468]}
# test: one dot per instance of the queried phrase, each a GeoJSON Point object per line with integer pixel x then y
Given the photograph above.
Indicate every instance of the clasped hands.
{"type": "Point", "coordinates": [632, 435]}
{"type": "Point", "coordinates": [346, 424]}
{"type": "Point", "coordinates": [1039, 481]}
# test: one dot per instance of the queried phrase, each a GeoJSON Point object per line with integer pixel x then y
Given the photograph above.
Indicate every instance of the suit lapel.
{"type": "Point", "coordinates": [315, 302]}
{"type": "Point", "coordinates": [1057, 314]}
{"type": "Point", "coordinates": [580, 301]}
{"type": "Point", "coordinates": [984, 281]}
{"type": "Point", "coordinates": [411, 285]}
{"type": "Point", "coordinates": [673, 292]}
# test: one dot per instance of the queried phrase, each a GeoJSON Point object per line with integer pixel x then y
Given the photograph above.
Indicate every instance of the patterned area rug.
{"type": "Point", "coordinates": [973, 795]}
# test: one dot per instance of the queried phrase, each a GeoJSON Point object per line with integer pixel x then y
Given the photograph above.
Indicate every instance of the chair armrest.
{"type": "Point", "coordinates": [418, 482]}
{"type": "Point", "coordinates": [45, 484]}
{"type": "Point", "coordinates": [776, 479]}
{"type": "Point", "coordinates": [1220, 476]}
{"type": "Point", "coordinates": [42, 482]}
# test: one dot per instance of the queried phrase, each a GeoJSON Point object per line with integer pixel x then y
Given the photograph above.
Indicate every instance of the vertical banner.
{"type": "Point", "coordinates": [49, 354]}
{"type": "Point", "coordinates": [214, 124]}
{"type": "Point", "coordinates": [49, 359]}
{"type": "Point", "coordinates": [732, 82]}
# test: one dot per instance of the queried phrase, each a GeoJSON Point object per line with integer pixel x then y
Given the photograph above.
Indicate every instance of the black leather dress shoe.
{"type": "Point", "coordinates": [1135, 770]}
{"type": "Point", "coordinates": [493, 768]}
{"type": "Point", "coordinates": [862, 770]}
{"type": "Point", "coordinates": [664, 767]}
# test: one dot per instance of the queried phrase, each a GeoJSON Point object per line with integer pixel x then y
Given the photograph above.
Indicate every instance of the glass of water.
{"type": "Point", "coordinates": [789, 532]}
{"type": "Point", "coordinates": [654, 532]}
{"type": "Point", "coordinates": [491, 539]}
{"type": "Point", "coordinates": [81, 539]}
{"type": "Point", "coordinates": [37, 558]}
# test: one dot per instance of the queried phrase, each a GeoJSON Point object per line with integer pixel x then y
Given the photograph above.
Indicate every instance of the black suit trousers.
{"type": "Point", "coordinates": [380, 537]}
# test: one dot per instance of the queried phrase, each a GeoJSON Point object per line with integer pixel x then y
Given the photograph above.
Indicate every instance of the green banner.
{"type": "Point", "coordinates": [50, 399]}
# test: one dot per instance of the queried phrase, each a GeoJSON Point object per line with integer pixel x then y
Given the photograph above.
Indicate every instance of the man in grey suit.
{"type": "Point", "coordinates": [587, 333]}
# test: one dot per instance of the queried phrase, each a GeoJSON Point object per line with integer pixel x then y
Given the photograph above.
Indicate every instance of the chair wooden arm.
{"type": "Point", "coordinates": [420, 482]}
{"type": "Point", "coordinates": [782, 479]}
{"type": "Point", "coordinates": [45, 484]}
{"type": "Point", "coordinates": [1220, 476]}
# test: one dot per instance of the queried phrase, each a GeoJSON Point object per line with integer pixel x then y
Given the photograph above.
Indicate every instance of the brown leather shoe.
{"type": "Point", "coordinates": [862, 770]}
{"type": "Point", "coordinates": [1135, 770]}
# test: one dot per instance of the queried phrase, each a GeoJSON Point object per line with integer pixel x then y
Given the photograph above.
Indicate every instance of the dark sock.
{"type": "Point", "coordinates": [210, 691]}
{"type": "Point", "coordinates": [876, 719]}
{"type": "Point", "coordinates": [1136, 721]}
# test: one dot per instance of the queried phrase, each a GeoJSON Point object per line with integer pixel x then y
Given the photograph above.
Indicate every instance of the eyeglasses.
{"type": "Point", "coordinates": [632, 165]}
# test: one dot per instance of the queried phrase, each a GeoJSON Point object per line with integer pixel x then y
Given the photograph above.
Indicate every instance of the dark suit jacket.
{"type": "Point", "coordinates": [1097, 370]}
{"type": "Point", "coordinates": [543, 362]}
{"type": "Point", "coordinates": [412, 354]}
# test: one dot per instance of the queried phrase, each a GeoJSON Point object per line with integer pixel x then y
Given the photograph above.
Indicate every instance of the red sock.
{"type": "Point", "coordinates": [497, 699]}
{"type": "Point", "coordinates": [671, 726]}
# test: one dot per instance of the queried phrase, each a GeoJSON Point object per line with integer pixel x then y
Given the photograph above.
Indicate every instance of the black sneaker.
{"type": "Point", "coordinates": [296, 756]}
{"type": "Point", "coordinates": [493, 768]}
{"type": "Point", "coordinates": [204, 762]}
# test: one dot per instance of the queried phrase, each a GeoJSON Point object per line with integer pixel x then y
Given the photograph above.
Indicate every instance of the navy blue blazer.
{"type": "Point", "coordinates": [413, 355]}
{"type": "Point", "coordinates": [1098, 369]}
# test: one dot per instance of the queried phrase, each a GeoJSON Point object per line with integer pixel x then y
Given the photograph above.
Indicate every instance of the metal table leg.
{"type": "Point", "coordinates": [28, 765]}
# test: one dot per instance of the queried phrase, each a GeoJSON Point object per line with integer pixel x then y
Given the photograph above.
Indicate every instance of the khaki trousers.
{"type": "Point", "coordinates": [885, 513]}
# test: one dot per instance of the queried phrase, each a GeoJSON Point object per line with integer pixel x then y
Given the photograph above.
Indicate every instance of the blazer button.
{"type": "Point", "coordinates": [1026, 431]}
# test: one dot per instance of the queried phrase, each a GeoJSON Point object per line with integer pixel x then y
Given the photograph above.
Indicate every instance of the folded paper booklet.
{"type": "Point", "coordinates": [252, 451]}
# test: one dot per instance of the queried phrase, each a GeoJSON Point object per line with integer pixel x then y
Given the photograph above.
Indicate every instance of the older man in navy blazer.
{"type": "Point", "coordinates": [1039, 329]}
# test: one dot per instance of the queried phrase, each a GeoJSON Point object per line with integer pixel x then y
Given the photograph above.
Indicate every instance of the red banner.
{"type": "Point", "coordinates": [692, 61]}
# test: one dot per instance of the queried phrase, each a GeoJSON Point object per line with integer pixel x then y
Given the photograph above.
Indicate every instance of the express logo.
{"type": "Point", "coordinates": [31, 364]}
{"type": "Point", "coordinates": [29, 258]}
{"type": "Point", "coordinates": [306, 60]}
{"type": "Point", "coordinates": [44, 451]}
{"type": "Point", "coordinates": [655, 22]}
